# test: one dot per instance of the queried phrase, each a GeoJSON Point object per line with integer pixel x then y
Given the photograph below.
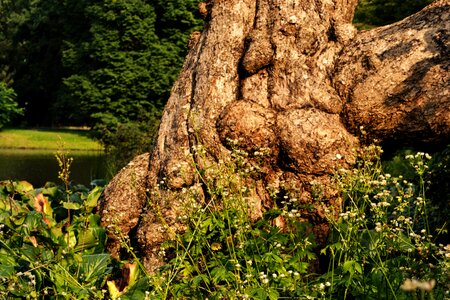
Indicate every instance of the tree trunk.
{"type": "Point", "coordinates": [294, 79]}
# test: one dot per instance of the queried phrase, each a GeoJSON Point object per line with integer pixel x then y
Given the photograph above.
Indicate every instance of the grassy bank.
{"type": "Point", "coordinates": [47, 139]}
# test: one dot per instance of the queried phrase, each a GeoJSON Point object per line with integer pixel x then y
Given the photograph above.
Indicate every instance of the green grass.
{"type": "Point", "coordinates": [47, 139]}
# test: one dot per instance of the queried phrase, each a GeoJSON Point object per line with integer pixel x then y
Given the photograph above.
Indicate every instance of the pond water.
{"type": "Point", "coordinates": [40, 166]}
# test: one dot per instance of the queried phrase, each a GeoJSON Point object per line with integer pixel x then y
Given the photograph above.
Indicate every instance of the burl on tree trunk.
{"type": "Point", "coordinates": [293, 77]}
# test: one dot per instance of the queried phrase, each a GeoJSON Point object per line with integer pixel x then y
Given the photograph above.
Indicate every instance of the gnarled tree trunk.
{"type": "Point", "coordinates": [296, 78]}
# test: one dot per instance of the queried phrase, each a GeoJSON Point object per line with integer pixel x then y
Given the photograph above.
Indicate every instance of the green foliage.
{"type": "Point", "coordinates": [72, 62]}
{"type": "Point", "coordinates": [223, 253]}
{"type": "Point", "coordinates": [438, 183]}
{"type": "Point", "coordinates": [382, 12]}
{"type": "Point", "coordinates": [52, 245]}
{"type": "Point", "coordinates": [51, 242]}
{"type": "Point", "coordinates": [112, 69]}
{"type": "Point", "coordinates": [383, 245]}
{"type": "Point", "coordinates": [220, 257]}
{"type": "Point", "coordinates": [8, 105]}
{"type": "Point", "coordinates": [124, 141]}
{"type": "Point", "coordinates": [383, 237]}
{"type": "Point", "coordinates": [43, 251]}
{"type": "Point", "coordinates": [123, 69]}
{"type": "Point", "coordinates": [127, 64]}
{"type": "Point", "coordinates": [36, 60]}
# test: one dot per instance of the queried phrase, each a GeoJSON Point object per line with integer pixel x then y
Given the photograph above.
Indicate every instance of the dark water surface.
{"type": "Point", "coordinates": [40, 166]}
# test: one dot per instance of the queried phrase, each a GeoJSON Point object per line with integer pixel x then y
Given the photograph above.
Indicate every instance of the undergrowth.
{"type": "Point", "coordinates": [51, 244]}
{"type": "Point", "coordinates": [382, 246]}
{"type": "Point", "coordinates": [390, 241]}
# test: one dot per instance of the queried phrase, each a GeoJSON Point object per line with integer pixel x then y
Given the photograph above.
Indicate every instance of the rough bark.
{"type": "Point", "coordinates": [395, 79]}
{"type": "Point", "coordinates": [294, 77]}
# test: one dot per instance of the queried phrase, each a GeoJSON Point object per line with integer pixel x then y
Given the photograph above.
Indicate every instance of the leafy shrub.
{"type": "Point", "coordinates": [8, 105]}
{"type": "Point", "coordinates": [125, 140]}
{"type": "Point", "coordinates": [51, 241]}
{"type": "Point", "coordinates": [43, 251]}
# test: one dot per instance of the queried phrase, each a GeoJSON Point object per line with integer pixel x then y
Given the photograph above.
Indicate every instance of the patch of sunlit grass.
{"type": "Point", "coordinates": [47, 139]}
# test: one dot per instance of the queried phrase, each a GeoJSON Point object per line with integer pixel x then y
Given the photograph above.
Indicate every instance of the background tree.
{"type": "Point", "coordinates": [38, 44]}
{"type": "Point", "coordinates": [105, 64]}
{"type": "Point", "coordinates": [12, 13]}
{"type": "Point", "coordinates": [98, 50]}
{"type": "Point", "coordinates": [112, 69]}
{"type": "Point", "coordinates": [123, 68]}
{"type": "Point", "coordinates": [295, 79]}
{"type": "Point", "coordinates": [8, 105]}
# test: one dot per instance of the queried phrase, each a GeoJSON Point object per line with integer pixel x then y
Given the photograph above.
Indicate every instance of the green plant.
{"type": "Point", "coordinates": [384, 245]}
{"type": "Point", "coordinates": [124, 141]}
{"type": "Point", "coordinates": [382, 238]}
{"type": "Point", "coordinates": [51, 242]}
{"type": "Point", "coordinates": [8, 105]}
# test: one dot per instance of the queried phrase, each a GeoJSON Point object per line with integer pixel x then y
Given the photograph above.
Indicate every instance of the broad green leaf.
{"type": "Point", "coordinates": [4, 217]}
{"type": "Point", "coordinates": [258, 293]}
{"type": "Point", "coordinates": [55, 234]}
{"type": "Point", "coordinates": [63, 279]}
{"type": "Point", "coordinates": [30, 253]}
{"type": "Point", "coordinates": [22, 187]}
{"type": "Point", "coordinates": [7, 257]}
{"type": "Point", "coordinates": [50, 191]}
{"type": "Point", "coordinates": [94, 267]}
{"type": "Point", "coordinates": [137, 291]}
{"type": "Point", "coordinates": [351, 266]}
{"type": "Point", "coordinates": [17, 220]}
{"type": "Point", "coordinates": [7, 270]}
{"type": "Point", "coordinates": [273, 294]}
{"type": "Point", "coordinates": [91, 238]}
{"type": "Point", "coordinates": [70, 239]}
{"type": "Point", "coordinates": [93, 197]}
{"type": "Point", "coordinates": [33, 222]}
{"type": "Point", "coordinates": [71, 205]}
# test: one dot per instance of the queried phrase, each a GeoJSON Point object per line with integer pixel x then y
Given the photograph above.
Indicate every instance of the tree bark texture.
{"type": "Point", "coordinates": [296, 78]}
